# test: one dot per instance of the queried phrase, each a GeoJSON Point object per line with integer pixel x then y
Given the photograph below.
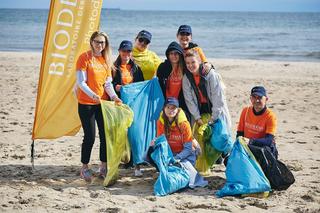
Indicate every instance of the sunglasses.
{"type": "Point", "coordinates": [144, 40]}
{"type": "Point", "coordinates": [99, 42]}
{"type": "Point", "coordinates": [184, 34]}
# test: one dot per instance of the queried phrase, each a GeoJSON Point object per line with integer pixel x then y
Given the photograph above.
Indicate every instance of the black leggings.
{"type": "Point", "coordinates": [88, 115]}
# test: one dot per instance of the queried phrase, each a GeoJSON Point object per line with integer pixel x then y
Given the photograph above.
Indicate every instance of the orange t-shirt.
{"type": "Point", "coordinates": [174, 84]}
{"type": "Point", "coordinates": [97, 73]}
{"type": "Point", "coordinates": [126, 76]}
{"type": "Point", "coordinates": [197, 80]}
{"type": "Point", "coordinates": [257, 126]}
{"type": "Point", "coordinates": [176, 138]}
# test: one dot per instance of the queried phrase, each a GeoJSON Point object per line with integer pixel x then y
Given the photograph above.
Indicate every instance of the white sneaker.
{"type": "Point", "coordinates": [138, 173]}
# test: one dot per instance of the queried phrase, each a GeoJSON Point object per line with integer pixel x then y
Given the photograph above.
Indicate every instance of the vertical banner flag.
{"type": "Point", "coordinates": [70, 25]}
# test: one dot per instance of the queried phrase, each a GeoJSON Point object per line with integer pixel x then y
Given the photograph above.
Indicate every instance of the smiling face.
{"type": "Point", "coordinates": [174, 57]}
{"type": "Point", "coordinates": [141, 44]}
{"type": "Point", "coordinates": [170, 111]}
{"type": "Point", "coordinates": [98, 44]}
{"type": "Point", "coordinates": [184, 39]}
{"type": "Point", "coordinates": [258, 102]}
{"type": "Point", "coordinates": [192, 63]}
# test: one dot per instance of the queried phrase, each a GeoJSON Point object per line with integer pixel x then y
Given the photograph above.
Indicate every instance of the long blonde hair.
{"type": "Point", "coordinates": [106, 52]}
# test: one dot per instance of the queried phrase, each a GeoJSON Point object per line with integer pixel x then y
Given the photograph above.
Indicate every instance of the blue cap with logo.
{"type": "Point", "coordinates": [145, 34]}
{"type": "Point", "coordinates": [172, 101]}
{"type": "Point", "coordinates": [259, 91]}
{"type": "Point", "coordinates": [125, 45]}
{"type": "Point", "coordinates": [184, 29]}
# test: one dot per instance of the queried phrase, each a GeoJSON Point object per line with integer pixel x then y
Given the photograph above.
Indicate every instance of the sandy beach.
{"type": "Point", "coordinates": [55, 185]}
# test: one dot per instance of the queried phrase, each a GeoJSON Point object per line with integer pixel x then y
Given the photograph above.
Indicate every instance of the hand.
{"type": "Point", "coordinates": [96, 98]}
{"type": "Point", "coordinates": [118, 87]}
{"type": "Point", "coordinates": [117, 101]}
{"type": "Point", "coordinates": [199, 122]}
{"type": "Point", "coordinates": [206, 68]}
{"type": "Point", "coordinates": [152, 142]}
{"type": "Point", "coordinates": [211, 120]}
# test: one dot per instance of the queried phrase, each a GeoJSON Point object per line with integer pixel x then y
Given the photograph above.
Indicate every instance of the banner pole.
{"type": "Point", "coordinates": [32, 155]}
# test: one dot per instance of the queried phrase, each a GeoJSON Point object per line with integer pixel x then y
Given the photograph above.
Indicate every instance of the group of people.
{"type": "Point", "coordinates": [190, 86]}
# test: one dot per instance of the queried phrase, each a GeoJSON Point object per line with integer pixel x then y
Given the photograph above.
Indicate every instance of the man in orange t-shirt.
{"type": "Point", "coordinates": [257, 122]}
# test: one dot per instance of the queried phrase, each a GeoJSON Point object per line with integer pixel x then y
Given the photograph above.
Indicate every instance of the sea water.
{"type": "Point", "coordinates": [244, 35]}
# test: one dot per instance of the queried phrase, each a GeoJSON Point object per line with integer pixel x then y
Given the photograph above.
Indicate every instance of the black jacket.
{"type": "Point", "coordinates": [135, 71]}
{"type": "Point", "coordinates": [191, 45]}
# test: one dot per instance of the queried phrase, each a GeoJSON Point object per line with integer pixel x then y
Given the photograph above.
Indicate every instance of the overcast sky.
{"type": "Point", "coordinates": [212, 5]}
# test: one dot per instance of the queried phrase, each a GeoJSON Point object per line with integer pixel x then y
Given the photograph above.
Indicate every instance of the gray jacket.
{"type": "Point", "coordinates": [215, 89]}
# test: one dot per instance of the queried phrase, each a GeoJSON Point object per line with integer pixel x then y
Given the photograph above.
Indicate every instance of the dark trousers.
{"type": "Point", "coordinates": [89, 114]}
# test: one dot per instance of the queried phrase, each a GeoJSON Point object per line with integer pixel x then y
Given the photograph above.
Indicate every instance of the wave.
{"type": "Point", "coordinates": [315, 54]}
{"type": "Point", "coordinates": [310, 56]}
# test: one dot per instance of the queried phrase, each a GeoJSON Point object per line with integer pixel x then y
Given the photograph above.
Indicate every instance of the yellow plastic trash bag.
{"type": "Point", "coordinates": [117, 120]}
{"type": "Point", "coordinates": [126, 156]}
{"type": "Point", "coordinates": [209, 155]}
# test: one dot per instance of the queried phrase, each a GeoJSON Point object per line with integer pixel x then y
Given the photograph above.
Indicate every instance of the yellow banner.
{"type": "Point", "coordinates": [70, 25]}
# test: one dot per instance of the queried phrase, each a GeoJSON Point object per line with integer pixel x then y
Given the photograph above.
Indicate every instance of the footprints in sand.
{"type": "Point", "coordinates": [307, 198]}
{"type": "Point", "coordinates": [294, 166]}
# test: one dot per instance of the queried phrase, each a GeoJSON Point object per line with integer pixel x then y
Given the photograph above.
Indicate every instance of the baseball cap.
{"type": "Point", "coordinates": [172, 101]}
{"type": "Point", "coordinates": [145, 34]}
{"type": "Point", "coordinates": [184, 29]}
{"type": "Point", "coordinates": [259, 91]}
{"type": "Point", "coordinates": [125, 45]}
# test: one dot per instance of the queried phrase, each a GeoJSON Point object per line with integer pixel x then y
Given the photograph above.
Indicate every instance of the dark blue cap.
{"type": "Point", "coordinates": [174, 46]}
{"type": "Point", "coordinates": [184, 29]}
{"type": "Point", "coordinates": [172, 101]}
{"type": "Point", "coordinates": [259, 91]}
{"type": "Point", "coordinates": [125, 45]}
{"type": "Point", "coordinates": [145, 34]}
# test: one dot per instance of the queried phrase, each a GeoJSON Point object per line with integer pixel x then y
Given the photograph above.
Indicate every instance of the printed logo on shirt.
{"type": "Point", "coordinates": [97, 67]}
{"type": "Point", "coordinates": [176, 137]}
{"type": "Point", "coordinates": [254, 128]}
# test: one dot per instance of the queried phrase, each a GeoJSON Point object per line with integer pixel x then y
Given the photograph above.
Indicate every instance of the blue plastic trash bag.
{"type": "Point", "coordinates": [171, 178]}
{"type": "Point", "coordinates": [244, 174]}
{"type": "Point", "coordinates": [221, 139]}
{"type": "Point", "coordinates": [146, 101]}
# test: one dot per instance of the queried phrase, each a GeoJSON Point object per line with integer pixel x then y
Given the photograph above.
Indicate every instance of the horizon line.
{"type": "Point", "coordinates": [177, 10]}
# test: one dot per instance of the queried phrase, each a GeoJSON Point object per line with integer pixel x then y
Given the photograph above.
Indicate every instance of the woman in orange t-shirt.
{"type": "Point", "coordinates": [94, 80]}
{"type": "Point", "coordinates": [126, 70]}
{"type": "Point", "coordinates": [175, 126]}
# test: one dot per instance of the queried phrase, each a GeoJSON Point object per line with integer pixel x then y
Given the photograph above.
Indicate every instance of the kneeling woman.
{"type": "Point", "coordinates": [174, 125]}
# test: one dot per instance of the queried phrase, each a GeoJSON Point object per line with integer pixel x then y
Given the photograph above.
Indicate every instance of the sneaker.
{"type": "Point", "coordinates": [86, 174]}
{"type": "Point", "coordinates": [102, 172]}
{"type": "Point", "coordinates": [138, 173]}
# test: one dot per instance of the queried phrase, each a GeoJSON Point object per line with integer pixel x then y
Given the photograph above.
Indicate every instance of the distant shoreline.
{"type": "Point", "coordinates": [215, 11]}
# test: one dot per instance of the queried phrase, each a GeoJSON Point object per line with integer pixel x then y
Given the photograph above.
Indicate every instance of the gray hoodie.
{"type": "Point", "coordinates": [215, 89]}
